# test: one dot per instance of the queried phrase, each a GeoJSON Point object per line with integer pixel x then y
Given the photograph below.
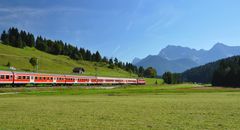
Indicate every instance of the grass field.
{"type": "Point", "coordinates": [151, 81]}
{"type": "Point", "coordinates": [185, 106]}
{"type": "Point", "coordinates": [48, 63]}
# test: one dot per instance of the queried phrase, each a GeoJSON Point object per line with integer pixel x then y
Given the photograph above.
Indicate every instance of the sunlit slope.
{"type": "Point", "coordinates": [19, 58]}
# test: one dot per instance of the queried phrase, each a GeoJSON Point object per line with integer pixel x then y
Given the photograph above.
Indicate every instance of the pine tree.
{"type": "Point", "coordinates": [4, 38]}
{"type": "Point", "coordinates": [98, 57]}
{"type": "Point", "coordinates": [105, 60]}
{"type": "Point", "coordinates": [141, 71]}
{"type": "Point", "coordinates": [88, 55]}
{"type": "Point", "coordinates": [19, 42]}
{"type": "Point", "coordinates": [116, 61]}
{"type": "Point", "coordinates": [30, 40]}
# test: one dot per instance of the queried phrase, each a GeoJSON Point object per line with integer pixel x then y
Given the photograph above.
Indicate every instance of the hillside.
{"type": "Point", "coordinates": [49, 63]}
{"type": "Point", "coordinates": [204, 73]}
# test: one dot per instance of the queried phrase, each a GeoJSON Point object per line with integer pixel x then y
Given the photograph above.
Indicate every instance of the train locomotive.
{"type": "Point", "coordinates": [23, 78]}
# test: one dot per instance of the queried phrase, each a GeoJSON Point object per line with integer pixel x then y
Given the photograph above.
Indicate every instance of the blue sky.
{"type": "Point", "coordinates": [127, 28]}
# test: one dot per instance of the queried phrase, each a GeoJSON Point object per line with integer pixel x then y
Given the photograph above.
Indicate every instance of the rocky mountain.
{"type": "Point", "coordinates": [178, 58]}
{"type": "Point", "coordinates": [136, 60]}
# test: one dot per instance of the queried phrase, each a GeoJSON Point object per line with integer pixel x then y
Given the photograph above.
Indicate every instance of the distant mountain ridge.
{"type": "Point", "coordinates": [178, 59]}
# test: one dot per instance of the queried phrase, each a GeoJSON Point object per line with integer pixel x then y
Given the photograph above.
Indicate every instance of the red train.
{"type": "Point", "coordinates": [23, 78]}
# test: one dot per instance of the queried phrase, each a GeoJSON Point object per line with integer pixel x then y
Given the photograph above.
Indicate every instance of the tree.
{"type": "Point", "coordinates": [23, 35]}
{"type": "Point", "coordinates": [19, 42]}
{"type": "Point", "coordinates": [98, 57]}
{"type": "Point", "coordinates": [111, 61]}
{"type": "Point", "coordinates": [105, 60]}
{"type": "Point", "coordinates": [4, 37]}
{"type": "Point", "coordinates": [172, 78]}
{"type": "Point", "coordinates": [140, 71]}
{"type": "Point", "coordinates": [88, 55]}
{"type": "Point", "coordinates": [31, 40]}
{"type": "Point", "coordinates": [8, 64]}
{"type": "Point", "coordinates": [116, 61]}
{"type": "Point", "coordinates": [33, 61]}
{"type": "Point", "coordinates": [111, 65]}
{"type": "Point", "coordinates": [83, 53]}
{"type": "Point", "coordinates": [40, 44]}
{"type": "Point", "coordinates": [167, 77]}
{"type": "Point", "coordinates": [150, 72]}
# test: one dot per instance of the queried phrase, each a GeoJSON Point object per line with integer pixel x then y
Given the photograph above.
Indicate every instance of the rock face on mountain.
{"type": "Point", "coordinates": [178, 59]}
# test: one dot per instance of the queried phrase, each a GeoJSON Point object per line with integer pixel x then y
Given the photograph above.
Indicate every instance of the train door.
{"type": "Point", "coordinates": [54, 79]}
{"type": "Point", "coordinates": [75, 80]}
{"type": "Point", "coordinates": [31, 79]}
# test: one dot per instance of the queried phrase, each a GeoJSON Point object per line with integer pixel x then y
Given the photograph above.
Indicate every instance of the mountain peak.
{"type": "Point", "coordinates": [173, 52]}
{"type": "Point", "coordinates": [219, 45]}
{"type": "Point", "coordinates": [136, 60]}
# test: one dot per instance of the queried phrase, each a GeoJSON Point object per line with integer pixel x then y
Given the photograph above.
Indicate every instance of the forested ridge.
{"type": "Point", "coordinates": [227, 73]}
{"type": "Point", "coordinates": [20, 39]}
{"type": "Point", "coordinates": [224, 72]}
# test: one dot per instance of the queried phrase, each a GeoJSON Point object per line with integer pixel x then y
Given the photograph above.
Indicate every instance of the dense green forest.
{"type": "Point", "coordinates": [21, 39]}
{"type": "Point", "coordinates": [225, 72]}
{"type": "Point", "coordinates": [201, 74]}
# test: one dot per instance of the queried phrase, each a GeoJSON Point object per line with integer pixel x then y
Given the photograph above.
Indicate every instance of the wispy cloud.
{"type": "Point", "coordinates": [117, 48]}
{"type": "Point", "coordinates": [133, 15]}
{"type": "Point", "coordinates": [165, 17]}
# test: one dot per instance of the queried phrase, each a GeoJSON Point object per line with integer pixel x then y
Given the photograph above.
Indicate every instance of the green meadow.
{"type": "Point", "coordinates": [185, 106]}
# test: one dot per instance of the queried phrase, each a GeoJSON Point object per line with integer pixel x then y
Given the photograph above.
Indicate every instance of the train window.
{"type": "Point", "coordinates": [28, 77]}
{"type": "Point", "coordinates": [36, 78]}
{"type": "Point", "coordinates": [51, 78]}
{"type": "Point", "coordinates": [7, 76]}
{"type": "Point", "coordinates": [44, 78]}
{"type": "Point", "coordinates": [40, 78]}
{"type": "Point", "coordinates": [19, 77]}
{"type": "Point", "coordinates": [24, 77]}
{"type": "Point", "coordinates": [2, 76]}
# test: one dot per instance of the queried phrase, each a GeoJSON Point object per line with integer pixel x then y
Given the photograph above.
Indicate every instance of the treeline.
{"type": "Point", "coordinates": [21, 39]}
{"type": "Point", "coordinates": [201, 74]}
{"type": "Point", "coordinates": [228, 73]}
{"type": "Point", "coordinates": [172, 78]}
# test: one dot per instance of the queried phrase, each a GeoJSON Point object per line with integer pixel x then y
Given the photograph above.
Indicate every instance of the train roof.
{"type": "Point", "coordinates": [6, 72]}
